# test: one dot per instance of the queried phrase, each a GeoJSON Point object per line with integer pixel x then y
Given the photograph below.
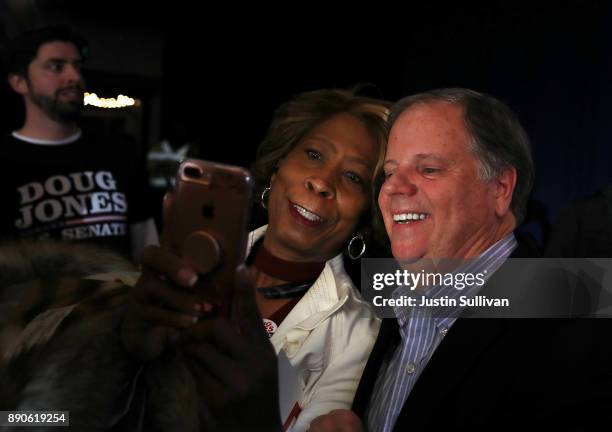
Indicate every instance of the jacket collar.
{"type": "Point", "coordinates": [328, 293]}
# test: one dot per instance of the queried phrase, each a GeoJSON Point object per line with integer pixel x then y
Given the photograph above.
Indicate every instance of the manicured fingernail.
{"type": "Point", "coordinates": [242, 270]}
{"type": "Point", "coordinates": [187, 277]}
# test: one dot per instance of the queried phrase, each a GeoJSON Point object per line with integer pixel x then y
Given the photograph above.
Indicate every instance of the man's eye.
{"type": "Point", "coordinates": [55, 67]}
{"type": "Point", "coordinates": [430, 170]}
{"type": "Point", "coordinates": [313, 154]}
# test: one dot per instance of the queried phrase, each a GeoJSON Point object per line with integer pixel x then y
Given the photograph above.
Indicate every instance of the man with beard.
{"type": "Point", "coordinates": [59, 181]}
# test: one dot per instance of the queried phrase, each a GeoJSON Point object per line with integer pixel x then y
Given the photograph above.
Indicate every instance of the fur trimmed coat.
{"type": "Point", "coordinates": [61, 306]}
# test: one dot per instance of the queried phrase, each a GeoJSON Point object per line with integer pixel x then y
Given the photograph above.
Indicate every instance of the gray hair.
{"type": "Point", "coordinates": [498, 139]}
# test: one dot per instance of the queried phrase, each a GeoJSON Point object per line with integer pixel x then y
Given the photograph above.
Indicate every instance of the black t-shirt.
{"type": "Point", "coordinates": [91, 189]}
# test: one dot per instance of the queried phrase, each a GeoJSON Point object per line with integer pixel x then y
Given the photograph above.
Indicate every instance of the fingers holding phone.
{"type": "Point", "coordinates": [207, 219]}
{"type": "Point", "coordinates": [162, 303]}
{"type": "Point", "coordinates": [205, 233]}
{"type": "Point", "coordinates": [234, 364]}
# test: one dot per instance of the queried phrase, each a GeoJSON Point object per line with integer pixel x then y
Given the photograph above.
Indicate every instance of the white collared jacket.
{"type": "Point", "coordinates": [327, 338]}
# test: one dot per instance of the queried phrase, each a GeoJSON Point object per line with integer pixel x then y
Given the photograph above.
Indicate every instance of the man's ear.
{"type": "Point", "coordinates": [18, 83]}
{"type": "Point", "coordinates": [504, 189]}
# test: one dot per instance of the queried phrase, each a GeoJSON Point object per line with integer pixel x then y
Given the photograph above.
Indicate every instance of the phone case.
{"type": "Point", "coordinates": [208, 224]}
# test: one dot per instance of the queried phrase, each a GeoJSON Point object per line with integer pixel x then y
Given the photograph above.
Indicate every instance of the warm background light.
{"type": "Point", "coordinates": [120, 101]}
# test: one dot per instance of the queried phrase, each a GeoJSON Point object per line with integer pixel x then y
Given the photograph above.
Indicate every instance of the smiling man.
{"type": "Point", "coordinates": [458, 172]}
{"type": "Point", "coordinates": [432, 169]}
{"type": "Point", "coordinates": [453, 160]}
{"type": "Point", "coordinates": [59, 182]}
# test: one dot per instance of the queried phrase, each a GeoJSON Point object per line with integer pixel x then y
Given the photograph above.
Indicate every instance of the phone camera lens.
{"type": "Point", "coordinates": [192, 172]}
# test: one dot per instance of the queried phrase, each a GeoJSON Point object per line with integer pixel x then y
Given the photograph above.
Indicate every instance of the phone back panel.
{"type": "Point", "coordinates": [215, 199]}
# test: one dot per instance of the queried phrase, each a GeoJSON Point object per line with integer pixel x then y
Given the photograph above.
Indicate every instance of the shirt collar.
{"type": "Point", "coordinates": [486, 263]}
{"type": "Point", "coordinates": [39, 141]}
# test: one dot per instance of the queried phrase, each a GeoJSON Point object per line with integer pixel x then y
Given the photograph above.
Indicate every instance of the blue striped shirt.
{"type": "Point", "coordinates": [422, 329]}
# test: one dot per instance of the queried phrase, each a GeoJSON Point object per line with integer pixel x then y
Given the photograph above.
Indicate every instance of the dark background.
{"type": "Point", "coordinates": [213, 77]}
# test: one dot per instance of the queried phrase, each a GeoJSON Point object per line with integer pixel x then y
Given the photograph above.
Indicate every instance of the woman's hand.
{"type": "Point", "coordinates": [234, 365]}
{"type": "Point", "coordinates": [161, 304]}
{"type": "Point", "coordinates": [337, 421]}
